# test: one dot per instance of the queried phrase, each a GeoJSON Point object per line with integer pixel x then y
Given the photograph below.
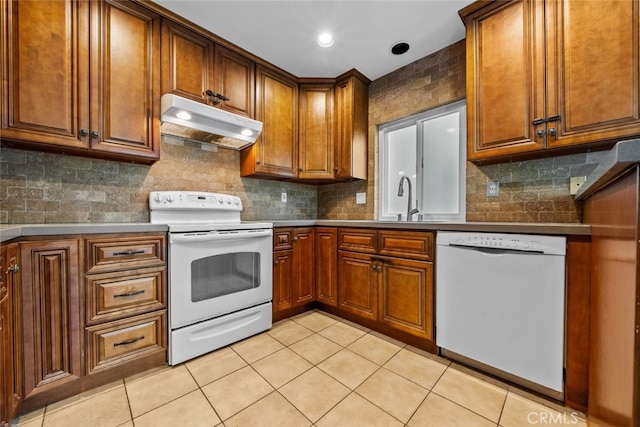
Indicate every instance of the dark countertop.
{"type": "Point", "coordinates": [490, 227]}
{"type": "Point", "coordinates": [622, 156]}
{"type": "Point", "coordinates": [12, 231]}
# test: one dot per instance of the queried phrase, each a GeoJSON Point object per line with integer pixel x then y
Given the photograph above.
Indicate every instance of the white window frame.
{"type": "Point", "coordinates": [417, 119]}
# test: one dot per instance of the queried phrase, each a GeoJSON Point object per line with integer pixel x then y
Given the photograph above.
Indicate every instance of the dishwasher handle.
{"type": "Point", "coordinates": [497, 251]}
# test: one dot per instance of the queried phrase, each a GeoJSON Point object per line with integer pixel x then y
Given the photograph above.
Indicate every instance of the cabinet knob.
{"type": "Point", "coordinates": [84, 132]}
{"type": "Point", "coordinates": [295, 239]}
{"type": "Point", "coordinates": [275, 262]}
{"type": "Point", "coordinates": [335, 169]}
{"type": "Point", "coordinates": [257, 162]}
{"type": "Point", "coordinates": [95, 134]}
{"type": "Point", "coordinates": [552, 131]}
{"type": "Point", "coordinates": [13, 269]}
{"type": "Point", "coordinates": [540, 133]}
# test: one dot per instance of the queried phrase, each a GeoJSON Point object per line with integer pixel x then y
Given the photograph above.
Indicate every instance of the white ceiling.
{"type": "Point", "coordinates": [284, 32]}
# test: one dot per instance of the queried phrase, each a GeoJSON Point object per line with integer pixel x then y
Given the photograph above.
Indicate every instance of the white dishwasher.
{"type": "Point", "coordinates": [500, 304]}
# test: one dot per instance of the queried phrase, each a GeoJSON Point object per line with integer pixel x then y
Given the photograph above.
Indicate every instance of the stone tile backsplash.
{"type": "Point", "coordinates": [40, 187]}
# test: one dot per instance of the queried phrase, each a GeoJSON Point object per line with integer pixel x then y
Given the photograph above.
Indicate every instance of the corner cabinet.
{"type": "Point", "coordinates": [386, 280]}
{"type": "Point", "coordinates": [275, 153]}
{"type": "Point", "coordinates": [317, 136]}
{"type": "Point", "coordinates": [352, 110]}
{"type": "Point", "coordinates": [550, 75]}
{"type": "Point", "coordinates": [88, 85]}
{"type": "Point", "coordinates": [193, 64]}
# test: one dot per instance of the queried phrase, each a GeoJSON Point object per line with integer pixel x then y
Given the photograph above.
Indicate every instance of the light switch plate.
{"type": "Point", "coordinates": [361, 198]}
{"type": "Point", "coordinates": [283, 197]}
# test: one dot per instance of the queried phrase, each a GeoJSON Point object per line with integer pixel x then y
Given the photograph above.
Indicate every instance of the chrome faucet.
{"type": "Point", "coordinates": [410, 212]}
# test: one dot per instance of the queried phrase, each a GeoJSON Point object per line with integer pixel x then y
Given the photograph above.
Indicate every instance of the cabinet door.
{"type": "Point", "coordinates": [6, 345]}
{"type": "Point", "coordinates": [358, 285]}
{"type": "Point", "coordinates": [326, 266]}
{"type": "Point", "coordinates": [304, 262]}
{"type": "Point", "coordinates": [282, 276]}
{"type": "Point", "coordinates": [45, 97]}
{"type": "Point", "coordinates": [505, 78]}
{"type": "Point", "coordinates": [235, 78]}
{"type": "Point", "coordinates": [125, 80]}
{"type": "Point", "coordinates": [275, 153]}
{"type": "Point", "coordinates": [316, 139]}
{"type": "Point", "coordinates": [10, 270]}
{"type": "Point", "coordinates": [406, 296]}
{"type": "Point", "coordinates": [187, 62]}
{"type": "Point", "coordinates": [352, 107]}
{"type": "Point", "coordinates": [51, 313]}
{"type": "Point", "coordinates": [593, 71]}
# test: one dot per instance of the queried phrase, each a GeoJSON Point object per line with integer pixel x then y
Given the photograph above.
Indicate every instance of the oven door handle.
{"type": "Point", "coordinates": [217, 236]}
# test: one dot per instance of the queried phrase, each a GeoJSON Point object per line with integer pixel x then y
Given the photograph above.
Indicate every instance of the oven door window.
{"type": "Point", "coordinates": [224, 274]}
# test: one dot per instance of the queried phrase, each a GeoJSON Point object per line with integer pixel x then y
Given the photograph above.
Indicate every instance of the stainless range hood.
{"type": "Point", "coordinates": [193, 120]}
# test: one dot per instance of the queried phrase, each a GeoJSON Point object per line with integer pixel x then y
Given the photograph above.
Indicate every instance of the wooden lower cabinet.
{"type": "Point", "coordinates": [391, 293]}
{"type": "Point", "coordinates": [326, 266]}
{"type": "Point", "coordinates": [358, 285]}
{"type": "Point", "coordinates": [51, 315]}
{"type": "Point", "coordinates": [293, 271]}
{"type": "Point", "coordinates": [10, 334]}
{"type": "Point", "coordinates": [62, 329]}
{"type": "Point", "coordinates": [406, 296]}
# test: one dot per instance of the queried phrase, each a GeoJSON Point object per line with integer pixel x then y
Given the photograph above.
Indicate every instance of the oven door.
{"type": "Point", "coordinates": [218, 272]}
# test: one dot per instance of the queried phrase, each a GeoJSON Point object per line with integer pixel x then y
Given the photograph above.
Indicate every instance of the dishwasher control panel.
{"type": "Point", "coordinates": [505, 241]}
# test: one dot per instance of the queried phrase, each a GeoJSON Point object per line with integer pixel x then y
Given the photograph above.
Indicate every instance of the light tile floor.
{"type": "Point", "coordinates": [310, 370]}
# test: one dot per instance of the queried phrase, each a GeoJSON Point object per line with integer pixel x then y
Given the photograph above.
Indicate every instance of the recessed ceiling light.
{"type": "Point", "coordinates": [325, 40]}
{"type": "Point", "coordinates": [400, 48]}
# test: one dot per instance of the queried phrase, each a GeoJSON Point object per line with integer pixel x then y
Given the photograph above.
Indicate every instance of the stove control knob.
{"type": "Point", "coordinates": [158, 197]}
{"type": "Point", "coordinates": [170, 198]}
{"type": "Point", "coordinates": [228, 200]}
{"type": "Point", "coordinates": [236, 202]}
{"type": "Point", "coordinates": [220, 200]}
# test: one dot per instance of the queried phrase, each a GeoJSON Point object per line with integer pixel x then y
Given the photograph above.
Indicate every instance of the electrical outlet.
{"type": "Point", "coordinates": [283, 197]}
{"type": "Point", "coordinates": [493, 189]}
{"type": "Point", "coordinates": [361, 198]}
{"type": "Point", "coordinates": [575, 182]}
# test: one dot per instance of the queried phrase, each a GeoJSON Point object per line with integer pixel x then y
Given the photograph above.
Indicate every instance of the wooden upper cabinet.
{"type": "Point", "coordinates": [125, 77]}
{"type": "Point", "coordinates": [192, 64]}
{"type": "Point", "coordinates": [545, 75]}
{"type": "Point", "coordinates": [316, 140]}
{"type": "Point", "coordinates": [83, 78]}
{"type": "Point", "coordinates": [275, 153]}
{"type": "Point", "coordinates": [187, 62]}
{"type": "Point", "coordinates": [45, 96]}
{"type": "Point", "coordinates": [593, 71]}
{"type": "Point", "coordinates": [505, 78]}
{"type": "Point", "coordinates": [235, 78]}
{"type": "Point", "coordinates": [351, 121]}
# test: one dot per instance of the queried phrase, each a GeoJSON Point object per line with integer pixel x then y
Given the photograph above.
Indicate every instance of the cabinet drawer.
{"type": "Point", "coordinates": [282, 239]}
{"type": "Point", "coordinates": [357, 240]}
{"type": "Point", "coordinates": [113, 343]}
{"type": "Point", "coordinates": [109, 253]}
{"type": "Point", "coordinates": [407, 244]}
{"type": "Point", "coordinates": [111, 296]}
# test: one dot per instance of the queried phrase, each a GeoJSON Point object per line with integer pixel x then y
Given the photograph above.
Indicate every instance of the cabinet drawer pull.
{"type": "Point", "coordinates": [537, 122]}
{"type": "Point", "coordinates": [124, 253]}
{"type": "Point", "coordinates": [131, 341]}
{"type": "Point", "coordinates": [554, 119]}
{"type": "Point", "coordinates": [129, 294]}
